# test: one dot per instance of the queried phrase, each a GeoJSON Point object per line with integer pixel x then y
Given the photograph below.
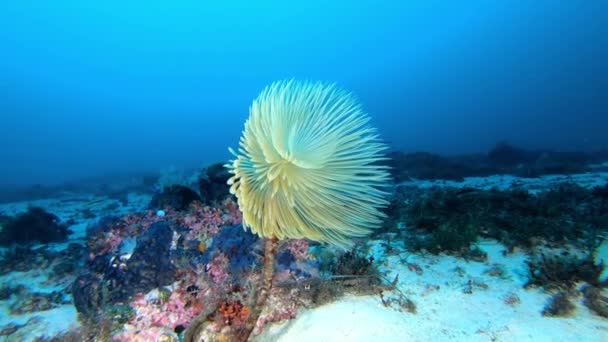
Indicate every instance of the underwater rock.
{"type": "Point", "coordinates": [149, 266]}
{"type": "Point", "coordinates": [600, 192]}
{"type": "Point", "coordinates": [4, 219]}
{"type": "Point", "coordinates": [563, 163]}
{"type": "Point", "coordinates": [504, 158]}
{"type": "Point", "coordinates": [100, 264]}
{"type": "Point", "coordinates": [9, 329]}
{"type": "Point", "coordinates": [63, 269]}
{"type": "Point", "coordinates": [33, 302]}
{"type": "Point", "coordinates": [424, 165]}
{"type": "Point", "coordinates": [119, 279]}
{"type": "Point", "coordinates": [237, 245]}
{"type": "Point", "coordinates": [87, 291]}
{"type": "Point", "coordinates": [5, 292]}
{"type": "Point", "coordinates": [504, 154]}
{"type": "Point", "coordinates": [177, 197]}
{"type": "Point", "coordinates": [22, 258]}
{"type": "Point", "coordinates": [18, 259]}
{"type": "Point", "coordinates": [284, 260]}
{"type": "Point", "coordinates": [103, 225]}
{"type": "Point", "coordinates": [35, 225]}
{"type": "Point", "coordinates": [213, 185]}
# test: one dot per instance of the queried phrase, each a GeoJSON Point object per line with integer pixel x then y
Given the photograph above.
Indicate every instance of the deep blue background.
{"type": "Point", "coordinates": [92, 87]}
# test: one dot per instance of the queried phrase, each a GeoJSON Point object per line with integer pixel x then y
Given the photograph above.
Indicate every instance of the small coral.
{"type": "Point", "coordinates": [353, 264]}
{"type": "Point", "coordinates": [206, 221]}
{"type": "Point", "coordinates": [511, 299]}
{"type": "Point", "coordinates": [233, 313]}
{"type": "Point", "coordinates": [239, 246]}
{"type": "Point", "coordinates": [558, 305]}
{"type": "Point", "coordinates": [595, 301]}
{"type": "Point", "coordinates": [557, 269]}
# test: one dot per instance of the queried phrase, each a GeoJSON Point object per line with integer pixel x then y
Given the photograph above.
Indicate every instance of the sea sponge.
{"type": "Point", "coordinates": [308, 165]}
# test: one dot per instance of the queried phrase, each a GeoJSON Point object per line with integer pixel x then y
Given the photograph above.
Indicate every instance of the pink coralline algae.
{"type": "Point", "coordinates": [299, 249]}
{"type": "Point", "coordinates": [218, 268]}
{"type": "Point", "coordinates": [205, 221]}
{"type": "Point", "coordinates": [280, 307]}
{"type": "Point", "coordinates": [203, 224]}
{"type": "Point", "coordinates": [104, 243]}
{"type": "Point", "coordinates": [232, 214]}
{"type": "Point", "coordinates": [155, 318]}
{"type": "Point", "coordinates": [109, 240]}
{"type": "Point", "coordinates": [140, 222]}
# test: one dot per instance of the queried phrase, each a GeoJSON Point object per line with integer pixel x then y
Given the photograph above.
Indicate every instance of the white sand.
{"type": "Point", "coordinates": [444, 311]}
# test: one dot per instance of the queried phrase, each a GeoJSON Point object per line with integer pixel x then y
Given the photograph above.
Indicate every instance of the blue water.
{"type": "Point", "coordinates": [91, 88]}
